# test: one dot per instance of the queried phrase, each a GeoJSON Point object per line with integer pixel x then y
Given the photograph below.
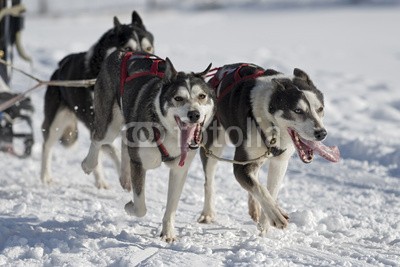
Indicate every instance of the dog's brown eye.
{"type": "Point", "coordinates": [298, 111]}
{"type": "Point", "coordinates": [202, 96]}
{"type": "Point", "coordinates": [178, 98]}
{"type": "Point", "coordinates": [320, 109]}
{"type": "Point", "coordinates": [148, 49]}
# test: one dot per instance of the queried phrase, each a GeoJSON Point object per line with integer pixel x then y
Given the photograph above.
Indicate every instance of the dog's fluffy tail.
{"type": "Point", "coordinates": [70, 134]}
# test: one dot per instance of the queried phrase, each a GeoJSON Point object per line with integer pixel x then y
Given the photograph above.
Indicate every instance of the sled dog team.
{"type": "Point", "coordinates": [164, 115]}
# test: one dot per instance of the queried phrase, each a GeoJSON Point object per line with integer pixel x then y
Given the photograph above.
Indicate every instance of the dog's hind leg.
{"type": "Point", "coordinates": [115, 156]}
{"type": "Point", "coordinates": [138, 206]}
{"type": "Point", "coordinates": [110, 150]}
{"type": "Point", "coordinates": [210, 167]}
{"type": "Point", "coordinates": [51, 107]}
{"type": "Point", "coordinates": [99, 180]}
{"type": "Point", "coordinates": [98, 170]}
{"type": "Point", "coordinates": [52, 132]}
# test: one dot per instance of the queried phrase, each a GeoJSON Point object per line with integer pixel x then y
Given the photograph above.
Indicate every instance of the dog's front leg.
{"type": "Point", "coordinates": [209, 167]}
{"type": "Point", "coordinates": [177, 178]}
{"type": "Point", "coordinates": [91, 160]}
{"type": "Point", "coordinates": [216, 142]}
{"type": "Point", "coordinates": [247, 177]}
{"type": "Point", "coordinates": [103, 134]}
{"type": "Point", "coordinates": [138, 206]}
{"type": "Point", "coordinates": [276, 172]}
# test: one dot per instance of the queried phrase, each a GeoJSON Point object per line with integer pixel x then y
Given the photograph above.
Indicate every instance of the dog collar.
{"type": "Point", "coordinates": [275, 151]}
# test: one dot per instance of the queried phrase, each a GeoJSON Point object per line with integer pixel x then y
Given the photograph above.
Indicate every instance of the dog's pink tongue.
{"type": "Point", "coordinates": [330, 153]}
{"type": "Point", "coordinates": [187, 135]}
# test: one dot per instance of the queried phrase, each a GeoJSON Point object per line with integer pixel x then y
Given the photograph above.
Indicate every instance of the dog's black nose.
{"type": "Point", "coordinates": [320, 134]}
{"type": "Point", "coordinates": [193, 116]}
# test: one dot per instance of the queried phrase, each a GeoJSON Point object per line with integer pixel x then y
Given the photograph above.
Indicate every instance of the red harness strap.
{"type": "Point", "coordinates": [153, 71]}
{"type": "Point", "coordinates": [163, 150]}
{"type": "Point", "coordinates": [215, 82]}
{"type": "Point", "coordinates": [124, 72]}
{"type": "Point", "coordinates": [124, 69]}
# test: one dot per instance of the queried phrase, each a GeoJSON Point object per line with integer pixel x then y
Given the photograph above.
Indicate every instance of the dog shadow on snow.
{"type": "Point", "coordinates": [66, 236]}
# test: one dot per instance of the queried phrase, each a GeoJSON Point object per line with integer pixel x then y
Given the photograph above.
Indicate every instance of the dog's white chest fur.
{"type": "Point", "coordinates": [151, 156]}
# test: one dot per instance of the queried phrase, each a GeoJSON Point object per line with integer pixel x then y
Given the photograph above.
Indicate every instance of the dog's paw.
{"type": "Point", "coordinates": [263, 225]}
{"type": "Point", "coordinates": [86, 166]}
{"type": "Point", "coordinates": [169, 238]}
{"type": "Point", "coordinates": [263, 228]}
{"type": "Point", "coordinates": [101, 185]}
{"type": "Point", "coordinates": [206, 218]}
{"type": "Point", "coordinates": [279, 218]}
{"type": "Point", "coordinates": [132, 210]}
{"type": "Point", "coordinates": [47, 180]}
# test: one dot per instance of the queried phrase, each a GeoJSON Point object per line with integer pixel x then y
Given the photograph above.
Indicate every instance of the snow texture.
{"type": "Point", "coordinates": [345, 214]}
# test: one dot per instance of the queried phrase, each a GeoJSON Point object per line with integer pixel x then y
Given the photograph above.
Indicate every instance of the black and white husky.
{"type": "Point", "coordinates": [64, 105]}
{"type": "Point", "coordinates": [164, 112]}
{"type": "Point", "coordinates": [263, 111]}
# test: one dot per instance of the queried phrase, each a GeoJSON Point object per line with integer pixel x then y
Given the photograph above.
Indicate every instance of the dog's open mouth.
{"type": "Point", "coordinates": [305, 148]}
{"type": "Point", "coordinates": [190, 137]}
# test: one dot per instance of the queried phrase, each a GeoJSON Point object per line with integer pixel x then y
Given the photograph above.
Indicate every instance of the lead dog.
{"type": "Point", "coordinates": [263, 112]}
{"type": "Point", "coordinates": [64, 105]}
{"type": "Point", "coordinates": [164, 112]}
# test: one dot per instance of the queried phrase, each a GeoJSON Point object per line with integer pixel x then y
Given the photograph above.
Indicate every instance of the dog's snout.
{"type": "Point", "coordinates": [193, 116]}
{"type": "Point", "coordinates": [320, 134]}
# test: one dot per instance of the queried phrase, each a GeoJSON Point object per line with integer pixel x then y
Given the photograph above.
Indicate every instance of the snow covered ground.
{"type": "Point", "coordinates": [345, 214]}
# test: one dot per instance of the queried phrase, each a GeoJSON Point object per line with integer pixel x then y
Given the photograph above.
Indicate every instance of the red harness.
{"type": "Point", "coordinates": [124, 78]}
{"type": "Point", "coordinates": [215, 82]}
{"type": "Point", "coordinates": [124, 69]}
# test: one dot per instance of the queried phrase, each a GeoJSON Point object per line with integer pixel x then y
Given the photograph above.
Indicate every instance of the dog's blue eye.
{"type": "Point", "coordinates": [178, 98]}
{"type": "Point", "coordinates": [298, 111]}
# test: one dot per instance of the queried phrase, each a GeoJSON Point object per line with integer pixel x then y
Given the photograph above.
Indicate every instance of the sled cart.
{"type": "Point", "coordinates": [16, 133]}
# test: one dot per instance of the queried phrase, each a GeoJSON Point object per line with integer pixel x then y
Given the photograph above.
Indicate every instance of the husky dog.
{"type": "Point", "coordinates": [263, 111]}
{"type": "Point", "coordinates": [164, 111]}
{"type": "Point", "coordinates": [64, 105]}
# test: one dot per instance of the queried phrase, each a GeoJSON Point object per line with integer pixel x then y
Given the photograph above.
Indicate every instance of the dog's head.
{"type": "Point", "coordinates": [133, 36]}
{"type": "Point", "coordinates": [188, 104]}
{"type": "Point", "coordinates": [298, 107]}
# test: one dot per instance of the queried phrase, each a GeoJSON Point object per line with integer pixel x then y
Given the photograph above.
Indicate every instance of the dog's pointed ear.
{"type": "Point", "coordinates": [271, 72]}
{"type": "Point", "coordinates": [170, 71]}
{"type": "Point", "coordinates": [137, 20]}
{"type": "Point", "coordinates": [117, 24]}
{"type": "Point", "coordinates": [203, 73]}
{"type": "Point", "coordinates": [279, 85]}
{"type": "Point", "coordinates": [302, 75]}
